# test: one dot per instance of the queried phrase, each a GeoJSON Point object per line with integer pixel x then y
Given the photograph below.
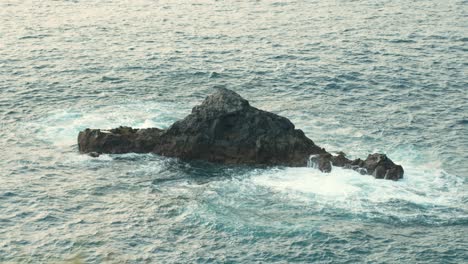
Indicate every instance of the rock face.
{"type": "Point", "coordinates": [225, 128]}
{"type": "Point", "coordinates": [377, 165]}
{"type": "Point", "coordinates": [118, 140]}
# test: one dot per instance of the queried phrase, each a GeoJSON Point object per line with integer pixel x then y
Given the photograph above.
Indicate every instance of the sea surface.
{"type": "Point", "coordinates": [358, 76]}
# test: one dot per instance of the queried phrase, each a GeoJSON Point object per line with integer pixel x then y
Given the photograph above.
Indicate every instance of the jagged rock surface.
{"type": "Point", "coordinates": [377, 165]}
{"type": "Point", "coordinates": [118, 140]}
{"type": "Point", "coordinates": [225, 128]}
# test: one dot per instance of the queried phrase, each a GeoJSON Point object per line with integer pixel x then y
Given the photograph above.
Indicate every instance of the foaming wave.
{"type": "Point", "coordinates": [61, 128]}
{"type": "Point", "coordinates": [426, 193]}
{"type": "Point", "coordinates": [309, 181]}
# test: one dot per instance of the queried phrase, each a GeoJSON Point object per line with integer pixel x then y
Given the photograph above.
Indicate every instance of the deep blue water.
{"type": "Point", "coordinates": [358, 76]}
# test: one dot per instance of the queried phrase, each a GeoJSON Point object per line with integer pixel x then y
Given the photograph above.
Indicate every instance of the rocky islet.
{"type": "Point", "coordinates": [226, 129]}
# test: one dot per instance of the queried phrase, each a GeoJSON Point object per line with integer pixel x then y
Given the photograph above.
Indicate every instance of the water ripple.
{"type": "Point", "coordinates": [354, 75]}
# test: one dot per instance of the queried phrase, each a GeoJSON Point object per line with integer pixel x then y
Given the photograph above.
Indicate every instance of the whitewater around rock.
{"type": "Point", "coordinates": [226, 129]}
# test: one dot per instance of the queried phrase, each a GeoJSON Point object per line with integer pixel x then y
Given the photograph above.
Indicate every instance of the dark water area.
{"type": "Point", "coordinates": [358, 76]}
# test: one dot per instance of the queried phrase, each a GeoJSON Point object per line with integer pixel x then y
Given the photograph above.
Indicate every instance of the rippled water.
{"type": "Point", "coordinates": [359, 76]}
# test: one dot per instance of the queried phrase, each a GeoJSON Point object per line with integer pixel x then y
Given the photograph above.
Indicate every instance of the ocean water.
{"type": "Point", "coordinates": [358, 76]}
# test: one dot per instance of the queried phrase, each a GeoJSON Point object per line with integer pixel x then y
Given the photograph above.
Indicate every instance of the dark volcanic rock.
{"type": "Point", "coordinates": [94, 154]}
{"type": "Point", "coordinates": [340, 160]}
{"type": "Point", "coordinates": [323, 162]}
{"type": "Point", "coordinates": [381, 167]}
{"type": "Point", "coordinates": [225, 128]}
{"type": "Point", "coordinates": [377, 165]}
{"type": "Point", "coordinates": [118, 140]}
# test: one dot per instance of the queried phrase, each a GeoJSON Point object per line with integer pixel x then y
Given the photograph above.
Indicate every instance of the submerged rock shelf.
{"type": "Point", "coordinates": [225, 128]}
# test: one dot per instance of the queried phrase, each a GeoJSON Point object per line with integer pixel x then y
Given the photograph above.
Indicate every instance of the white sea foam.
{"type": "Point", "coordinates": [61, 128]}
{"type": "Point", "coordinates": [426, 186]}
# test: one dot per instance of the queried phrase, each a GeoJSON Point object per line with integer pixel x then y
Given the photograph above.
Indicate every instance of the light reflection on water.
{"type": "Point", "coordinates": [356, 76]}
